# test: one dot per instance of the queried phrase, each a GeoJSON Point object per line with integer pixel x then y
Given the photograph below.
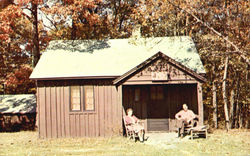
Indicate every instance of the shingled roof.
{"type": "Point", "coordinates": [111, 58]}
{"type": "Point", "coordinates": [22, 103]}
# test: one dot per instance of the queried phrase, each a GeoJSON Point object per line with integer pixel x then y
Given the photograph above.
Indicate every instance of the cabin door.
{"type": "Point", "coordinates": [158, 109]}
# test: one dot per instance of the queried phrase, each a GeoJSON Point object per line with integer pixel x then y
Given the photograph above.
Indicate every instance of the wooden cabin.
{"type": "Point", "coordinates": [84, 87]}
{"type": "Point", "coordinates": [17, 112]}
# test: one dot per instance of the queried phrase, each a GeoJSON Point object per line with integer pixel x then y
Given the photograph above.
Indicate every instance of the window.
{"type": "Point", "coordinates": [137, 94]}
{"type": "Point", "coordinates": [75, 99]}
{"type": "Point", "coordinates": [156, 93]}
{"type": "Point", "coordinates": [88, 98]}
{"type": "Point", "coordinates": [81, 98]}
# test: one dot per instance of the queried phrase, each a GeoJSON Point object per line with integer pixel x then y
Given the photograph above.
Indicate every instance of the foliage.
{"type": "Point", "coordinates": [19, 82]}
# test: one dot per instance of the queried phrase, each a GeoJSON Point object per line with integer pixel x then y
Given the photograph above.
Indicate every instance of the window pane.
{"type": "Point", "coordinates": [137, 94]}
{"type": "Point", "coordinates": [89, 97]}
{"type": "Point", "coordinates": [75, 98]}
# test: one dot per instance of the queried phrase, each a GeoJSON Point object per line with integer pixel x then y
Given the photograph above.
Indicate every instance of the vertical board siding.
{"type": "Point", "coordinates": [114, 107]}
{"type": "Point", "coordinates": [62, 112]}
{"type": "Point", "coordinates": [72, 125]}
{"type": "Point", "coordinates": [110, 111]}
{"type": "Point", "coordinates": [48, 113]}
{"type": "Point", "coordinates": [82, 126]}
{"type": "Point", "coordinates": [56, 120]}
{"type": "Point", "coordinates": [91, 125]}
{"type": "Point", "coordinates": [66, 111]}
{"type": "Point", "coordinates": [78, 131]}
{"type": "Point", "coordinates": [58, 111]}
{"type": "Point", "coordinates": [87, 124]}
{"type": "Point", "coordinates": [105, 103]}
{"type": "Point", "coordinates": [42, 112]}
{"type": "Point", "coordinates": [97, 122]}
{"type": "Point", "coordinates": [101, 110]}
{"type": "Point", "coordinates": [53, 107]}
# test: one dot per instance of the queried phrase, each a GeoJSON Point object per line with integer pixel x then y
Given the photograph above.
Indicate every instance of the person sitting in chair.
{"type": "Point", "coordinates": [187, 117]}
{"type": "Point", "coordinates": [132, 123]}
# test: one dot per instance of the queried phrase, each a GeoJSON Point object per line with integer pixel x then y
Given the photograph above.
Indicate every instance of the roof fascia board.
{"type": "Point", "coordinates": [77, 77]}
{"type": "Point", "coordinates": [138, 67]}
{"type": "Point", "coordinates": [184, 68]}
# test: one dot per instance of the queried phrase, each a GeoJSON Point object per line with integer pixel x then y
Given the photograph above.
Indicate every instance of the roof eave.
{"type": "Point", "coordinates": [73, 77]}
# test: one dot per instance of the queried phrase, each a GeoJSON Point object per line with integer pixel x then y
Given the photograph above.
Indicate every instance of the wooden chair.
{"type": "Point", "coordinates": [195, 130]}
{"type": "Point", "coordinates": [186, 131]}
{"type": "Point", "coordinates": [187, 128]}
{"type": "Point", "coordinates": [131, 134]}
{"type": "Point", "coordinates": [199, 131]}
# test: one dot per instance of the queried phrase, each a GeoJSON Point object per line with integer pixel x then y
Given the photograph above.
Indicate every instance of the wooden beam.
{"type": "Point", "coordinates": [149, 82]}
{"type": "Point", "coordinates": [121, 111]}
{"type": "Point", "coordinates": [200, 104]}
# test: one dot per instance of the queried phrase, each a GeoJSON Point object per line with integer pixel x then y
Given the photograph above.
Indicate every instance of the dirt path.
{"type": "Point", "coordinates": [164, 140]}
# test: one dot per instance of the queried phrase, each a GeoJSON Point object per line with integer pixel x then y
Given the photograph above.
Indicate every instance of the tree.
{"type": "Point", "coordinates": [74, 19]}
{"type": "Point", "coordinates": [19, 43]}
{"type": "Point", "coordinates": [11, 56]}
{"type": "Point", "coordinates": [19, 82]}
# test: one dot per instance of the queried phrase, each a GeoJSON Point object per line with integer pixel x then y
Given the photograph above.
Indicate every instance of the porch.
{"type": "Point", "coordinates": [156, 105]}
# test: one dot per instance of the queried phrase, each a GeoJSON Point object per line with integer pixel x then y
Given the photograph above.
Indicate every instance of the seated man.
{"type": "Point", "coordinates": [132, 123]}
{"type": "Point", "coordinates": [186, 116]}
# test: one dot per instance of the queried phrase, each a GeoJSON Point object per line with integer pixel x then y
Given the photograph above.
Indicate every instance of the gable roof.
{"type": "Point", "coordinates": [151, 59]}
{"type": "Point", "coordinates": [111, 58]}
{"type": "Point", "coordinates": [22, 103]}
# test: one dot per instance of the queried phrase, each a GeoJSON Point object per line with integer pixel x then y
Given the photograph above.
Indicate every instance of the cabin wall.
{"type": "Point", "coordinates": [56, 119]}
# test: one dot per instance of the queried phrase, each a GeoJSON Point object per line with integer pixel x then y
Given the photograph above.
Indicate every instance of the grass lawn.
{"type": "Point", "coordinates": [235, 142]}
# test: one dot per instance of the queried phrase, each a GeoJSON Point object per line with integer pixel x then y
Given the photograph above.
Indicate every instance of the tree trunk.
{"type": "Point", "coordinates": [36, 50]}
{"type": "Point", "coordinates": [224, 93]}
{"type": "Point", "coordinates": [215, 106]}
{"type": "Point", "coordinates": [245, 114]}
{"type": "Point", "coordinates": [241, 117]}
{"type": "Point", "coordinates": [237, 102]}
{"type": "Point", "coordinates": [73, 31]}
{"type": "Point", "coordinates": [247, 99]}
{"type": "Point", "coordinates": [232, 109]}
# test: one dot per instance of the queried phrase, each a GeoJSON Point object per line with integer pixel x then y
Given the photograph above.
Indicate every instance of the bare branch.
{"type": "Point", "coordinates": [46, 16]}
{"type": "Point", "coordinates": [242, 54]}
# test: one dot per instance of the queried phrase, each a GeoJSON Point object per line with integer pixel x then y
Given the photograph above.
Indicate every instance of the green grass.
{"type": "Point", "coordinates": [235, 142]}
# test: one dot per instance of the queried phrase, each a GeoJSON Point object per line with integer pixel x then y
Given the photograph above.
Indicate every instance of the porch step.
{"type": "Point", "coordinates": [158, 124]}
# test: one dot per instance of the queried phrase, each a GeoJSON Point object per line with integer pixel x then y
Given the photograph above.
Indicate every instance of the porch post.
{"type": "Point", "coordinates": [120, 108]}
{"type": "Point", "coordinates": [200, 103]}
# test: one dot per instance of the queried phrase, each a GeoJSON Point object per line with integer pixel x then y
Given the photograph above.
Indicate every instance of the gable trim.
{"type": "Point", "coordinates": [154, 57]}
